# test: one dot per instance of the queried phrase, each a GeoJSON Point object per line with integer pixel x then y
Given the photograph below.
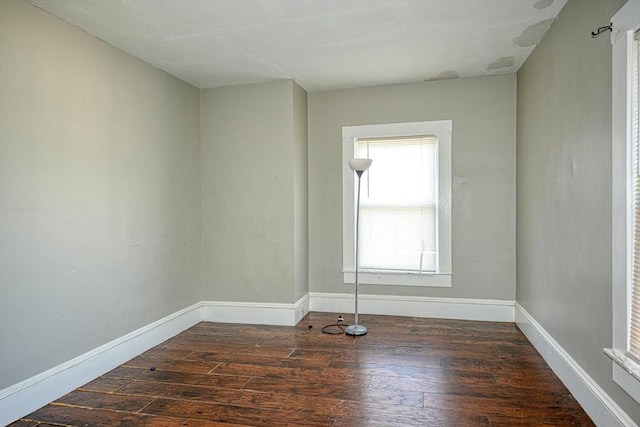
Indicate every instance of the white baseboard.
{"type": "Point", "coordinates": [26, 396]}
{"type": "Point", "coordinates": [301, 308]}
{"type": "Point", "coordinates": [291, 314]}
{"type": "Point", "coordinates": [593, 399]}
{"type": "Point", "coordinates": [255, 313]}
{"type": "Point", "coordinates": [443, 308]}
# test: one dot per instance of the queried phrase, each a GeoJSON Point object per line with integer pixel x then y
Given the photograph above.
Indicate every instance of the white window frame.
{"type": "Point", "coordinates": [625, 371]}
{"type": "Point", "coordinates": [442, 276]}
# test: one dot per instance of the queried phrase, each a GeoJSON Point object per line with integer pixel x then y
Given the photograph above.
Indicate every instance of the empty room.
{"type": "Point", "coordinates": [319, 213]}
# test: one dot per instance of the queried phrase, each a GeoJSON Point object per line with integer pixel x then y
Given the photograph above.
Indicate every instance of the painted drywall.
{"type": "Point", "coordinates": [564, 189]}
{"type": "Point", "coordinates": [300, 189]}
{"type": "Point", "coordinates": [99, 193]}
{"type": "Point", "coordinates": [250, 148]}
{"type": "Point", "coordinates": [483, 204]}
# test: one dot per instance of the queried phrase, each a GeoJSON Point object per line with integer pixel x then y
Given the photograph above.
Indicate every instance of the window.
{"type": "Point", "coordinates": [634, 332]}
{"type": "Point", "coordinates": [626, 200]}
{"type": "Point", "coordinates": [405, 203]}
{"type": "Point", "coordinates": [398, 206]}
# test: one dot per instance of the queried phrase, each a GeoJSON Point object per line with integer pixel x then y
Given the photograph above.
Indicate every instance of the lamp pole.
{"type": "Point", "coordinates": [359, 166]}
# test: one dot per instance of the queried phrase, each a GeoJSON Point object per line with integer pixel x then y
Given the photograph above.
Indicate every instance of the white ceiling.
{"type": "Point", "coordinates": [322, 44]}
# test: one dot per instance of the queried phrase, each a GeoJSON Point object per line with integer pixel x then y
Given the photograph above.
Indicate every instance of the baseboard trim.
{"type": "Point", "coordinates": [443, 308]}
{"type": "Point", "coordinates": [301, 308]}
{"type": "Point", "coordinates": [31, 394]}
{"type": "Point", "coordinates": [255, 313]}
{"type": "Point", "coordinates": [593, 399]}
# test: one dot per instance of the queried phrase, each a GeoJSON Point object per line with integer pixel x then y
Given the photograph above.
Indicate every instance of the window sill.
{"type": "Point", "coordinates": [368, 277]}
{"type": "Point", "coordinates": [626, 372]}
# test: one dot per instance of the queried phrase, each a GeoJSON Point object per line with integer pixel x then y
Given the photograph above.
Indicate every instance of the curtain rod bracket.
{"type": "Point", "coordinates": [601, 30]}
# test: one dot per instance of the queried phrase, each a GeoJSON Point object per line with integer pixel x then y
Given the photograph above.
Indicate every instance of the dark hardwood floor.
{"type": "Point", "coordinates": [405, 372]}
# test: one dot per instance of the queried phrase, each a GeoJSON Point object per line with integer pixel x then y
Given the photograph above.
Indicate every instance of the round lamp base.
{"type": "Point", "coordinates": [356, 330]}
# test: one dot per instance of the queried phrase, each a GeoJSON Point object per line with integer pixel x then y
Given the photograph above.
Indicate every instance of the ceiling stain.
{"type": "Point", "coordinates": [541, 4]}
{"type": "Point", "coordinates": [533, 34]}
{"type": "Point", "coordinates": [445, 75]}
{"type": "Point", "coordinates": [503, 62]}
{"type": "Point", "coordinates": [451, 74]}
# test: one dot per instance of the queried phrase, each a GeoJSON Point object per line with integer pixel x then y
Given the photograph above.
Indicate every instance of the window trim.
{"type": "Point", "coordinates": [441, 278]}
{"type": "Point", "coordinates": [625, 371]}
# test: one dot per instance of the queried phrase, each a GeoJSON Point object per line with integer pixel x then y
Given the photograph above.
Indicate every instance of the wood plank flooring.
{"type": "Point", "coordinates": [404, 372]}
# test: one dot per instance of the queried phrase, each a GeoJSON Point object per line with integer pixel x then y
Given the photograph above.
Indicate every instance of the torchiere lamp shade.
{"type": "Point", "coordinates": [360, 165]}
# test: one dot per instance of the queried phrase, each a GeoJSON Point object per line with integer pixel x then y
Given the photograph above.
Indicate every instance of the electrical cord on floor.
{"type": "Point", "coordinates": [338, 328]}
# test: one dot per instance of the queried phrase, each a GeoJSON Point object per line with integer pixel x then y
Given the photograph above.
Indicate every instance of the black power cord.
{"type": "Point", "coordinates": [338, 329]}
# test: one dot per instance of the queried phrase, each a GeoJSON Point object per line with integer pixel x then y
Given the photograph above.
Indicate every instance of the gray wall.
{"type": "Point", "coordinates": [483, 114]}
{"type": "Point", "coordinates": [301, 195]}
{"type": "Point", "coordinates": [564, 188]}
{"type": "Point", "coordinates": [251, 147]}
{"type": "Point", "coordinates": [99, 193]}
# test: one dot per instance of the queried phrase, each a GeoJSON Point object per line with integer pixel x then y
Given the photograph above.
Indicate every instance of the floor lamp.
{"type": "Point", "coordinates": [358, 166]}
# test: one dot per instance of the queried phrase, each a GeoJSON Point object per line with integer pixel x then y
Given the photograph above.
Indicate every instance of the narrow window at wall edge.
{"type": "Point", "coordinates": [405, 203]}
{"type": "Point", "coordinates": [625, 351]}
{"type": "Point", "coordinates": [634, 321]}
